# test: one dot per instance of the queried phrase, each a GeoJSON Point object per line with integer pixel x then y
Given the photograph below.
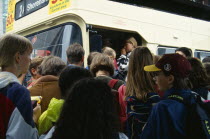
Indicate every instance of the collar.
{"type": "Point", "coordinates": [180, 92]}
{"type": "Point", "coordinates": [7, 78]}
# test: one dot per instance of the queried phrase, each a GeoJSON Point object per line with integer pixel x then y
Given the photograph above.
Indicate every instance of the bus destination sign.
{"type": "Point", "coordinates": [25, 7]}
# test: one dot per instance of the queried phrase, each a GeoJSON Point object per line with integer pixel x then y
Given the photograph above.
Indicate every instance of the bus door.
{"type": "Point", "coordinates": [104, 37]}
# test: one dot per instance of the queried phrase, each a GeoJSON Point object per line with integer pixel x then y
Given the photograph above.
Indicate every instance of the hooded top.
{"type": "Point", "coordinates": [50, 116]}
{"type": "Point", "coordinates": [168, 117]}
{"type": "Point", "coordinates": [15, 109]}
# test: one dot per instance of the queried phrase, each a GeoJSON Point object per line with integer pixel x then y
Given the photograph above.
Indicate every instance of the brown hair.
{"type": "Point", "coordinates": [156, 58]}
{"type": "Point", "coordinates": [51, 65]}
{"type": "Point", "coordinates": [207, 67]}
{"type": "Point", "coordinates": [102, 62]}
{"type": "Point", "coordinates": [139, 82]}
{"type": "Point", "coordinates": [198, 76]}
{"type": "Point", "coordinates": [75, 53]}
{"type": "Point", "coordinates": [10, 44]}
{"type": "Point", "coordinates": [35, 62]}
{"type": "Point", "coordinates": [90, 57]}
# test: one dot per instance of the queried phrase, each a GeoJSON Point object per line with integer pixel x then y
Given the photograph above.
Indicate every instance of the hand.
{"type": "Point", "coordinates": [36, 113]}
{"type": "Point", "coordinates": [123, 51]}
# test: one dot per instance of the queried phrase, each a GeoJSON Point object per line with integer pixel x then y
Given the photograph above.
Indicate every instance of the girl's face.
{"type": "Point", "coordinates": [164, 82]}
{"type": "Point", "coordinates": [128, 47]}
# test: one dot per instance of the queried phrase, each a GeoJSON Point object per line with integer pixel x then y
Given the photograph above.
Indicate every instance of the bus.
{"type": "Point", "coordinates": [53, 25]}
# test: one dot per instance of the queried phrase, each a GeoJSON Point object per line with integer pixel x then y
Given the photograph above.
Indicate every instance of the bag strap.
{"type": "Point", "coordinates": [177, 98]}
{"type": "Point", "coordinates": [112, 83]}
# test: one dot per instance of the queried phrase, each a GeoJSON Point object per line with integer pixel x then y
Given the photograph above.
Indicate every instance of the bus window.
{"type": "Point", "coordinates": [111, 38]}
{"type": "Point", "coordinates": [201, 54]}
{"type": "Point", "coordinates": [161, 50]}
{"type": "Point", "coordinates": [55, 41]}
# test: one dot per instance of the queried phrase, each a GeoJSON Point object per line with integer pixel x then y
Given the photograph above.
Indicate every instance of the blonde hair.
{"type": "Point", "coordinates": [10, 44]}
{"type": "Point", "coordinates": [139, 82]}
{"type": "Point", "coordinates": [109, 52]}
{"type": "Point", "coordinates": [133, 41]}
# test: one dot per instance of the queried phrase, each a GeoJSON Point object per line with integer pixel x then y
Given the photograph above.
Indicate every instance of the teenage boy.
{"type": "Point", "coordinates": [168, 117]}
{"type": "Point", "coordinates": [75, 55]}
{"type": "Point", "coordinates": [17, 118]}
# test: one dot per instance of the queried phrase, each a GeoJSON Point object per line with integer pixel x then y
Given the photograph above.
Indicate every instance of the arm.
{"type": "Point", "coordinates": [21, 124]}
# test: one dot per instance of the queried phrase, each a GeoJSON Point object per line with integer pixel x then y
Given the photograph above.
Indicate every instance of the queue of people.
{"type": "Point", "coordinates": [133, 97]}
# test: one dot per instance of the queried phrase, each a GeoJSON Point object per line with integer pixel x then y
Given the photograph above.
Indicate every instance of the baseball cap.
{"type": "Point", "coordinates": [174, 64]}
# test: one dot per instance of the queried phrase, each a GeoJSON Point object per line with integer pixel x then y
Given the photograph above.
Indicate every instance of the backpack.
{"type": "Point", "coordinates": [198, 118]}
{"type": "Point", "coordinates": [121, 101]}
{"type": "Point", "coordinates": [112, 83]}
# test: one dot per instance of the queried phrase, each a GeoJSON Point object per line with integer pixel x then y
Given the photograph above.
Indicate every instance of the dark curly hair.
{"type": "Point", "coordinates": [185, 50]}
{"type": "Point", "coordinates": [69, 76]}
{"type": "Point", "coordinates": [88, 112]}
{"type": "Point", "coordinates": [198, 76]}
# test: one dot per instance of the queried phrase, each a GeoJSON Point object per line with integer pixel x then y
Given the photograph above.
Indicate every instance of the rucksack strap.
{"type": "Point", "coordinates": [198, 121]}
{"type": "Point", "coordinates": [180, 99]}
{"type": "Point", "coordinates": [177, 98]}
{"type": "Point", "coordinates": [112, 83]}
{"type": "Point", "coordinates": [122, 103]}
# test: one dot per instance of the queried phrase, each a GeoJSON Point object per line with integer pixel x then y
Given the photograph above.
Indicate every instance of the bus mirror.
{"type": "Point", "coordinates": [95, 43]}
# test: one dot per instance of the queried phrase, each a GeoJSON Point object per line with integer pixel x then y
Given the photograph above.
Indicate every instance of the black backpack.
{"type": "Point", "coordinates": [198, 118]}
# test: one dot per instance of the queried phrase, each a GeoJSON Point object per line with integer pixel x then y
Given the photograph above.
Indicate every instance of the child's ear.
{"type": "Point", "coordinates": [170, 79]}
{"type": "Point", "coordinates": [17, 57]}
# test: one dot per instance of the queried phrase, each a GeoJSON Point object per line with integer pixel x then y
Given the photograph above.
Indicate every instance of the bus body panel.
{"type": "Point", "coordinates": [155, 27]}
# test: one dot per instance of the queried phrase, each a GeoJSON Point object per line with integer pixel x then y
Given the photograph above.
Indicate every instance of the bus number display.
{"type": "Point", "coordinates": [25, 7]}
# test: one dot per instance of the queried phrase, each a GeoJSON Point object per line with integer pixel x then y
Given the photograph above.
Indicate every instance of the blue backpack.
{"type": "Point", "coordinates": [198, 119]}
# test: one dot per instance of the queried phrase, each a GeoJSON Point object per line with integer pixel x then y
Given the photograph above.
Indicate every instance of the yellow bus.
{"type": "Point", "coordinates": [52, 25]}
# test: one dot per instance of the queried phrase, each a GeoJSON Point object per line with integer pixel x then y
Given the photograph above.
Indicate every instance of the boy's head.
{"type": "Point", "coordinates": [69, 76]}
{"type": "Point", "coordinates": [75, 54]}
{"type": "Point", "coordinates": [15, 51]}
{"type": "Point", "coordinates": [184, 51]}
{"type": "Point", "coordinates": [170, 71]}
{"type": "Point", "coordinates": [33, 68]}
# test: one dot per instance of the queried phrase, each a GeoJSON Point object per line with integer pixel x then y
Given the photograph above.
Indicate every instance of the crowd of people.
{"type": "Point", "coordinates": [131, 97]}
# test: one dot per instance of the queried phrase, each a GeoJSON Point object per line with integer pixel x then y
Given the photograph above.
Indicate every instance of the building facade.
{"type": "Point", "coordinates": [3, 16]}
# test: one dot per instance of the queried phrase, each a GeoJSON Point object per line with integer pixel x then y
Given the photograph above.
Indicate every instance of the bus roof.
{"type": "Point", "coordinates": [156, 27]}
